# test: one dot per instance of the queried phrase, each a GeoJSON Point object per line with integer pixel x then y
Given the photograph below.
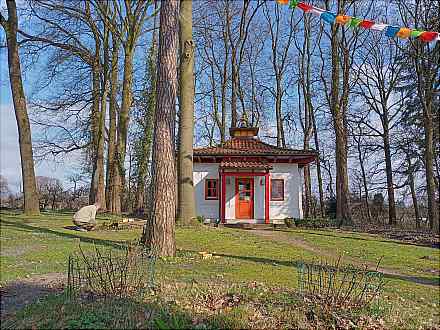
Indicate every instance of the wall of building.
{"type": "Point", "coordinates": [279, 210]}
{"type": "Point", "coordinates": [206, 208]}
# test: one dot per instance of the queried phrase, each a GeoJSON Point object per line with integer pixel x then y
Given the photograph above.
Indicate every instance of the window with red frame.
{"type": "Point", "coordinates": [277, 190]}
{"type": "Point", "coordinates": [211, 189]}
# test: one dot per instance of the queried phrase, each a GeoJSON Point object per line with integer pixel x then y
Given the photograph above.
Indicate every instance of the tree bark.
{"type": "Point", "coordinates": [338, 114]}
{"type": "Point", "coordinates": [113, 113]}
{"type": "Point", "coordinates": [150, 96]}
{"type": "Point", "coordinates": [412, 187]}
{"type": "Point", "coordinates": [97, 188]}
{"type": "Point", "coordinates": [186, 202]}
{"type": "Point", "coordinates": [119, 177]}
{"type": "Point", "coordinates": [389, 173]}
{"type": "Point", "coordinates": [159, 232]}
{"type": "Point", "coordinates": [31, 203]}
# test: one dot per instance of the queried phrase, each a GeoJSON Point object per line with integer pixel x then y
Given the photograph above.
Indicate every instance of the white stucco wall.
{"type": "Point", "coordinates": [206, 208]}
{"type": "Point", "coordinates": [279, 210]}
{"type": "Point", "coordinates": [292, 204]}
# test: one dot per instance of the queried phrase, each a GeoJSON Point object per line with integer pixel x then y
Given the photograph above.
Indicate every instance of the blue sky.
{"type": "Point", "coordinates": [10, 165]}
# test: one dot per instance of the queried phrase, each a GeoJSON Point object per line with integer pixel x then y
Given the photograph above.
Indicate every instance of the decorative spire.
{"type": "Point", "coordinates": [243, 129]}
{"type": "Point", "coordinates": [243, 122]}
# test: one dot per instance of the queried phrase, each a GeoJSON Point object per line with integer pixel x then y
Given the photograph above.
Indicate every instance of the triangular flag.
{"type": "Point", "coordinates": [404, 33]}
{"type": "Point", "coordinates": [428, 36]}
{"type": "Point", "coordinates": [304, 6]}
{"type": "Point", "coordinates": [293, 4]}
{"type": "Point", "coordinates": [328, 17]}
{"type": "Point", "coordinates": [379, 26]}
{"type": "Point", "coordinates": [416, 33]}
{"type": "Point", "coordinates": [392, 31]}
{"type": "Point", "coordinates": [342, 19]}
{"type": "Point", "coordinates": [366, 24]}
{"type": "Point", "coordinates": [354, 22]}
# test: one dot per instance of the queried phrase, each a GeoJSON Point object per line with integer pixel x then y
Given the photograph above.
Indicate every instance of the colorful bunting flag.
{"type": "Point", "coordinates": [392, 31]}
{"type": "Point", "coordinates": [366, 24]}
{"type": "Point", "coordinates": [293, 4]}
{"type": "Point", "coordinates": [379, 26]}
{"type": "Point", "coordinates": [353, 22]}
{"type": "Point", "coordinates": [416, 33]}
{"type": "Point", "coordinates": [305, 7]}
{"type": "Point", "coordinates": [343, 19]}
{"type": "Point", "coordinates": [328, 17]}
{"type": "Point", "coordinates": [404, 33]}
{"type": "Point", "coordinates": [429, 36]}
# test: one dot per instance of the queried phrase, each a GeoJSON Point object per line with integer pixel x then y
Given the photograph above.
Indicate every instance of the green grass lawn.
{"type": "Point", "coordinates": [32, 246]}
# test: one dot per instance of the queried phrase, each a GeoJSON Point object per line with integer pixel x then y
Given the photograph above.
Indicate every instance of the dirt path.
{"type": "Point", "coordinates": [390, 273]}
{"type": "Point", "coordinates": [16, 295]}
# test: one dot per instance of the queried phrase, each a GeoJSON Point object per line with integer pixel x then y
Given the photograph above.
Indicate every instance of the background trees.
{"type": "Point", "coordinates": [367, 103]}
{"type": "Point", "coordinates": [10, 26]}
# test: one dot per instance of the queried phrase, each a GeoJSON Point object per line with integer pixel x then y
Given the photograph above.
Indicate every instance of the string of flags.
{"type": "Point", "coordinates": [354, 22]}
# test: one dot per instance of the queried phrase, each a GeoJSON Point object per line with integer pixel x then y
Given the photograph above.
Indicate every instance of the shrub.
{"type": "Point", "coordinates": [314, 222]}
{"type": "Point", "coordinates": [333, 283]}
{"type": "Point", "coordinates": [290, 222]}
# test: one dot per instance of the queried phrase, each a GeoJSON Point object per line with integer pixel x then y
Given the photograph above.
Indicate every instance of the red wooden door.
{"type": "Point", "coordinates": [244, 198]}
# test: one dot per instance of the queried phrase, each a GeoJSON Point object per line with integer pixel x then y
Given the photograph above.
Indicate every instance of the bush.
{"type": "Point", "coordinates": [314, 222]}
{"type": "Point", "coordinates": [290, 222]}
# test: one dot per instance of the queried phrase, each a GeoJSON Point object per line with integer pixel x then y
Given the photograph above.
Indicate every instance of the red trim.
{"type": "Point", "coordinates": [244, 173]}
{"type": "Point", "coordinates": [207, 188]}
{"type": "Point", "coordinates": [237, 197]}
{"type": "Point", "coordinates": [223, 199]}
{"type": "Point", "coordinates": [266, 198]}
{"type": "Point", "coordinates": [276, 199]}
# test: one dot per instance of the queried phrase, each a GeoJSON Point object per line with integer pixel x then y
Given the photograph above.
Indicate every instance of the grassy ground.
{"type": "Point", "coordinates": [259, 274]}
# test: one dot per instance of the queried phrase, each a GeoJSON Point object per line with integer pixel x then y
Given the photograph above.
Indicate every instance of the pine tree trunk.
{"type": "Point", "coordinates": [31, 202]}
{"type": "Point", "coordinates": [186, 202]}
{"type": "Point", "coordinates": [159, 232]}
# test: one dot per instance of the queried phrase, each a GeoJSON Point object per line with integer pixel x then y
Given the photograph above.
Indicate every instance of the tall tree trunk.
{"type": "Point", "coordinates": [150, 96]}
{"type": "Point", "coordinates": [159, 232]}
{"type": "Point", "coordinates": [119, 177]}
{"type": "Point", "coordinates": [31, 203]}
{"type": "Point", "coordinates": [97, 188]}
{"type": "Point", "coordinates": [281, 142]}
{"type": "Point", "coordinates": [113, 112]}
{"type": "Point", "coordinates": [364, 178]}
{"type": "Point", "coordinates": [412, 187]}
{"type": "Point", "coordinates": [318, 167]}
{"type": "Point", "coordinates": [389, 172]}
{"type": "Point", "coordinates": [342, 201]}
{"type": "Point", "coordinates": [186, 202]}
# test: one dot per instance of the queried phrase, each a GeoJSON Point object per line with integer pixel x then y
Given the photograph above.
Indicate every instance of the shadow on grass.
{"type": "Point", "coordinates": [391, 241]}
{"type": "Point", "coordinates": [50, 309]}
{"type": "Point", "coordinates": [430, 281]}
{"type": "Point", "coordinates": [97, 241]}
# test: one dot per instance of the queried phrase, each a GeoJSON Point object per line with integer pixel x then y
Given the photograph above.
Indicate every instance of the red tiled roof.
{"type": "Point", "coordinates": [236, 164]}
{"type": "Point", "coordinates": [249, 147]}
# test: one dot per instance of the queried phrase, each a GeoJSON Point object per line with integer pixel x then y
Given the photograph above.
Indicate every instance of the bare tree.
{"type": "Point", "coordinates": [10, 27]}
{"type": "Point", "coordinates": [425, 58]}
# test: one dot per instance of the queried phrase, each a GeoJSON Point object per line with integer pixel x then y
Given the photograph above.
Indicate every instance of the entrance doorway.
{"type": "Point", "coordinates": [244, 198]}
